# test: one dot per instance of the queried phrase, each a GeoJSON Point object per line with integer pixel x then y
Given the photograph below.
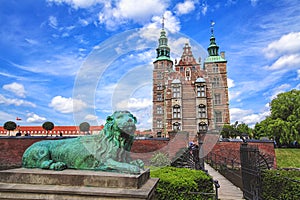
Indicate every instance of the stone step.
{"type": "Point", "coordinates": [74, 178]}
{"type": "Point", "coordinates": [11, 191]}
{"type": "Point", "coordinates": [75, 184]}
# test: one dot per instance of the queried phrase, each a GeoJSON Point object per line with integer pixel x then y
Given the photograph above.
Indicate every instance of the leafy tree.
{"type": "Point", "coordinates": [48, 126]}
{"type": "Point", "coordinates": [84, 127]}
{"type": "Point", "coordinates": [234, 130]}
{"type": "Point", "coordinates": [283, 124]}
{"type": "Point", "coordinates": [10, 126]}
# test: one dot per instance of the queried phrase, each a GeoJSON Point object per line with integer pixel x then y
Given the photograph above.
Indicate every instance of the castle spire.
{"type": "Point", "coordinates": [213, 49]}
{"type": "Point", "coordinates": [163, 50]}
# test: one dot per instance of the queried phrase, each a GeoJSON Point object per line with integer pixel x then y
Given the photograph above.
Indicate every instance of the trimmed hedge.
{"type": "Point", "coordinates": [182, 183]}
{"type": "Point", "coordinates": [280, 184]}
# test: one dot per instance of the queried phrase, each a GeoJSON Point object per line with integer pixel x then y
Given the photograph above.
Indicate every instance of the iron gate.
{"type": "Point", "coordinates": [252, 162]}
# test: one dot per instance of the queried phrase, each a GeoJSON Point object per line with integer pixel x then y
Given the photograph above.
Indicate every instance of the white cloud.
{"type": "Point", "coordinates": [282, 88]}
{"type": "Point", "coordinates": [90, 117]}
{"type": "Point", "coordinates": [185, 7]}
{"type": "Point", "coordinates": [247, 116]}
{"type": "Point", "coordinates": [285, 62]}
{"type": "Point", "coordinates": [6, 116]}
{"type": "Point", "coordinates": [16, 88]}
{"type": "Point", "coordinates": [128, 10]}
{"type": "Point", "coordinates": [77, 3]}
{"type": "Point", "coordinates": [230, 83]}
{"type": "Point", "coordinates": [34, 118]}
{"type": "Point", "coordinates": [134, 103]}
{"type": "Point", "coordinates": [289, 43]}
{"type": "Point", "coordinates": [67, 105]}
{"type": "Point", "coordinates": [16, 102]}
{"type": "Point", "coordinates": [53, 22]}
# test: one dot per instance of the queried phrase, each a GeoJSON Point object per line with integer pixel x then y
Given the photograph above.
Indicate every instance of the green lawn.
{"type": "Point", "coordinates": [288, 158]}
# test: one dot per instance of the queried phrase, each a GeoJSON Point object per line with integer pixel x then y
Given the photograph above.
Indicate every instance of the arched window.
{"type": "Point", "coordinates": [176, 111]}
{"type": "Point", "coordinates": [176, 126]}
{"type": "Point", "coordinates": [202, 127]}
{"type": "Point", "coordinates": [202, 111]}
{"type": "Point", "coordinates": [188, 74]}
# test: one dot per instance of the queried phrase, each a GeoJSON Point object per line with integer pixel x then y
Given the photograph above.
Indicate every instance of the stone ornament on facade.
{"type": "Point", "coordinates": [107, 151]}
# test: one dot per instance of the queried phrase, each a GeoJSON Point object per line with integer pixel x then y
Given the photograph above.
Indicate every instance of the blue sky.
{"type": "Point", "coordinates": [69, 61]}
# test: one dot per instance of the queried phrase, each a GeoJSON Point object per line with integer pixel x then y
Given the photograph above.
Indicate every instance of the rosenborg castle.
{"type": "Point", "coordinates": [186, 95]}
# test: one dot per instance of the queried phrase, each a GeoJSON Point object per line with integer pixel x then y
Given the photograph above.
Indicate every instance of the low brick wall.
{"type": "Point", "coordinates": [231, 150]}
{"type": "Point", "coordinates": [12, 148]}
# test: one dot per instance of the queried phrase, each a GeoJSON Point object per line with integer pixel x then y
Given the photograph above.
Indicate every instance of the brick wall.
{"type": "Point", "coordinates": [231, 150]}
{"type": "Point", "coordinates": [12, 148]}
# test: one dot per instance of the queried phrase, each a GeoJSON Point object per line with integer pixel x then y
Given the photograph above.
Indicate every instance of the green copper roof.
{"type": "Point", "coordinates": [214, 59]}
{"type": "Point", "coordinates": [163, 58]}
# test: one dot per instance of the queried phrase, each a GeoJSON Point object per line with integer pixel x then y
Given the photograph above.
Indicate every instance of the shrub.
{"type": "Point", "coordinates": [160, 160]}
{"type": "Point", "coordinates": [182, 183]}
{"type": "Point", "coordinates": [281, 184]}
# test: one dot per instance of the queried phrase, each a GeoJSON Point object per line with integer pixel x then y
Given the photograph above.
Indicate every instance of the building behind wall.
{"type": "Point", "coordinates": [187, 96]}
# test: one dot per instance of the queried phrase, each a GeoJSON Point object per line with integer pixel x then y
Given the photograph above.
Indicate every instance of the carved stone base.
{"type": "Point", "coordinates": [74, 184]}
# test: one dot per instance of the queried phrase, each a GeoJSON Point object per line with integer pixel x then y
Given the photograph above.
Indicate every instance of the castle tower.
{"type": "Point", "coordinates": [162, 65]}
{"type": "Point", "coordinates": [187, 97]}
{"type": "Point", "coordinates": [217, 89]}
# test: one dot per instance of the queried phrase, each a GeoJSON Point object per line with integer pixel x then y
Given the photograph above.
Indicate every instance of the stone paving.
{"type": "Point", "coordinates": [227, 190]}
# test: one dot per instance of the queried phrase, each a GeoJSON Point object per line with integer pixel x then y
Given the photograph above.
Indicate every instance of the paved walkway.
{"type": "Point", "coordinates": [227, 190]}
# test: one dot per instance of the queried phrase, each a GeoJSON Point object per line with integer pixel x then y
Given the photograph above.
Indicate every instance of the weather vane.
{"type": "Point", "coordinates": [163, 22]}
{"type": "Point", "coordinates": [212, 23]}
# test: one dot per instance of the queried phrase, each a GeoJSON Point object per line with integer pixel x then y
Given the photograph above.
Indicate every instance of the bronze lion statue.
{"type": "Point", "coordinates": [106, 151]}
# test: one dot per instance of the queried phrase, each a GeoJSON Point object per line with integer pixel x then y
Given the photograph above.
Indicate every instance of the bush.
{"type": "Point", "coordinates": [160, 160]}
{"type": "Point", "coordinates": [182, 183]}
{"type": "Point", "coordinates": [281, 184]}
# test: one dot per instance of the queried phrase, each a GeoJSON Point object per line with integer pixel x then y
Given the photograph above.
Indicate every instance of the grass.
{"type": "Point", "coordinates": [288, 158]}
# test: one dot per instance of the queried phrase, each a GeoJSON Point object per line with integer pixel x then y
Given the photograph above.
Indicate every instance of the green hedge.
{"type": "Point", "coordinates": [182, 183]}
{"type": "Point", "coordinates": [281, 184]}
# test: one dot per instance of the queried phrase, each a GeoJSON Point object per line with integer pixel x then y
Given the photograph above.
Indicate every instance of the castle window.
{"type": "Point", "coordinates": [215, 68]}
{"type": "Point", "coordinates": [188, 74]}
{"type": "Point", "coordinates": [216, 82]}
{"type": "Point", "coordinates": [159, 110]}
{"type": "Point", "coordinates": [201, 91]}
{"type": "Point", "coordinates": [202, 111]}
{"type": "Point", "coordinates": [217, 99]}
{"type": "Point", "coordinates": [176, 126]}
{"type": "Point", "coordinates": [159, 75]}
{"type": "Point", "coordinates": [218, 115]}
{"type": "Point", "coordinates": [202, 126]}
{"type": "Point", "coordinates": [159, 123]}
{"type": "Point", "coordinates": [159, 86]}
{"type": "Point", "coordinates": [176, 92]}
{"type": "Point", "coordinates": [176, 111]}
{"type": "Point", "coordinates": [159, 97]}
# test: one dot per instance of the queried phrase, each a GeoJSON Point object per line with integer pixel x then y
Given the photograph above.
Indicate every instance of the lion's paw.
{"type": "Point", "coordinates": [134, 169]}
{"type": "Point", "coordinates": [138, 163]}
{"type": "Point", "coordinates": [46, 164]}
{"type": "Point", "coordinates": [58, 166]}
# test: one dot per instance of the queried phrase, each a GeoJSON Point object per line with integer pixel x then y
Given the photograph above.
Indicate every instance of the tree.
{"type": "Point", "coordinates": [48, 126]}
{"type": "Point", "coordinates": [234, 130]}
{"type": "Point", "coordinates": [283, 124]}
{"type": "Point", "coordinates": [84, 127]}
{"type": "Point", "coordinates": [10, 126]}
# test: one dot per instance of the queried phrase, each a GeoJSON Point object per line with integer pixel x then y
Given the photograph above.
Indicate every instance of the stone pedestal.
{"type": "Point", "coordinates": [74, 184]}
